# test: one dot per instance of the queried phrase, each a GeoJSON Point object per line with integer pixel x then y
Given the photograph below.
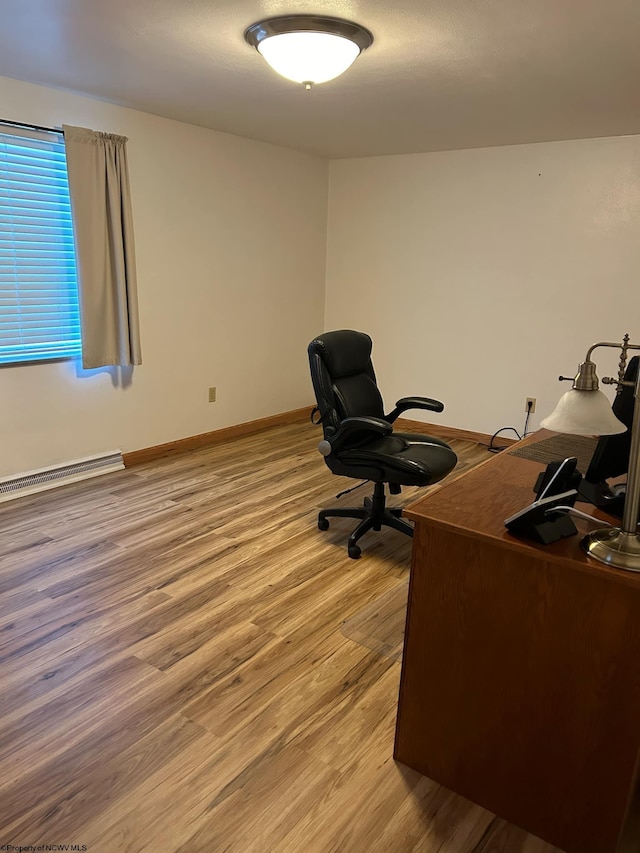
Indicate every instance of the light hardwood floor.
{"type": "Point", "coordinates": [173, 675]}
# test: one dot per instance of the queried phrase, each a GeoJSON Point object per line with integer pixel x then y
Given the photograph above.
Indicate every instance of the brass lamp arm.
{"type": "Point", "coordinates": [586, 378]}
{"type": "Point", "coordinates": [625, 345]}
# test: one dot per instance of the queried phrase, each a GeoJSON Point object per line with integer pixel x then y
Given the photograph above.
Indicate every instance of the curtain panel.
{"type": "Point", "coordinates": [105, 253]}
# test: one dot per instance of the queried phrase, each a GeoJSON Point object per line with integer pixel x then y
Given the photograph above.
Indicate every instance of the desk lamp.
{"type": "Point", "coordinates": [584, 410]}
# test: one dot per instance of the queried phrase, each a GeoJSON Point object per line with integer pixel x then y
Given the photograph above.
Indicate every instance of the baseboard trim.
{"type": "Point", "coordinates": [447, 433]}
{"type": "Point", "coordinates": [205, 439]}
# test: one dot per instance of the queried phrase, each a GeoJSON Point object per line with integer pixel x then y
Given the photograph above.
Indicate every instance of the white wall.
{"type": "Point", "coordinates": [482, 275]}
{"type": "Point", "coordinates": [231, 239]}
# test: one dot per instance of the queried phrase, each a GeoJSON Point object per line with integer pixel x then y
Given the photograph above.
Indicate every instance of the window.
{"type": "Point", "coordinates": [39, 315]}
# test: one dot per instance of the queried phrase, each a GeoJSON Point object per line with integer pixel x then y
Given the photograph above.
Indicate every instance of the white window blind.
{"type": "Point", "coordinates": [39, 316]}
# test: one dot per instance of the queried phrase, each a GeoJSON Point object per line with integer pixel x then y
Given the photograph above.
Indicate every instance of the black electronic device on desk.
{"type": "Point", "coordinates": [557, 486]}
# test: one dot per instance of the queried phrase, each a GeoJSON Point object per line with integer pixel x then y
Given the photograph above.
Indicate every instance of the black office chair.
{"type": "Point", "coordinates": [358, 438]}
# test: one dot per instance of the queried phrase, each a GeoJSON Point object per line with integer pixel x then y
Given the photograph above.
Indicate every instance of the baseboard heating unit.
{"type": "Point", "coordinates": [29, 482]}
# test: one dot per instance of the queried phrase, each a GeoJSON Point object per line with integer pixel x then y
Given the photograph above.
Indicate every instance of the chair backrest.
{"type": "Point", "coordinates": [343, 377]}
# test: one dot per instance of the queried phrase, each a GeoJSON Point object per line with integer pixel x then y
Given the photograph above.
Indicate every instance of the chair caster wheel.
{"type": "Point", "coordinates": [323, 524]}
{"type": "Point", "coordinates": [354, 551]}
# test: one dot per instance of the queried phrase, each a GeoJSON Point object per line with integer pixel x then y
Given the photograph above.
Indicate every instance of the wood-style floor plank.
{"type": "Point", "coordinates": [174, 677]}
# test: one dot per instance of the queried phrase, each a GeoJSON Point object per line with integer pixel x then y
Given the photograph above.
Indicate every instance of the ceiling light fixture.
{"type": "Point", "coordinates": [308, 49]}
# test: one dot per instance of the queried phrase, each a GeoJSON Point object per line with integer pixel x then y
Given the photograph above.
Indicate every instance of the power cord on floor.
{"type": "Point", "coordinates": [493, 449]}
{"type": "Point", "coordinates": [353, 488]}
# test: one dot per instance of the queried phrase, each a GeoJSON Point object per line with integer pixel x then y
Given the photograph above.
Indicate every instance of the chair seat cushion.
{"type": "Point", "coordinates": [404, 458]}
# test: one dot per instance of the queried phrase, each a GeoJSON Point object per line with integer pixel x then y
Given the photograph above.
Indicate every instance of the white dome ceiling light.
{"type": "Point", "coordinates": [308, 49]}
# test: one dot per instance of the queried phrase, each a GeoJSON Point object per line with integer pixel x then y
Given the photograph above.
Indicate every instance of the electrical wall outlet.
{"type": "Point", "coordinates": [530, 401]}
{"type": "Point", "coordinates": [212, 394]}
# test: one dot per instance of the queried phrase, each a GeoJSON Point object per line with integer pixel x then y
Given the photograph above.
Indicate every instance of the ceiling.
{"type": "Point", "coordinates": [440, 75]}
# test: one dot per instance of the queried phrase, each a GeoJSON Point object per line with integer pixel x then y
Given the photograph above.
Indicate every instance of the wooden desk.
{"type": "Point", "coordinates": [520, 683]}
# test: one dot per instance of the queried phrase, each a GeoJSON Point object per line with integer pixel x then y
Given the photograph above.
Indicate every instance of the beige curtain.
{"type": "Point", "coordinates": [105, 255]}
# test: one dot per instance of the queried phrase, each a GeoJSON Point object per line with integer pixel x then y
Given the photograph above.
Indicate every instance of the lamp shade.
{"type": "Point", "coordinates": [308, 49]}
{"type": "Point", "coordinates": [308, 57]}
{"type": "Point", "coordinates": [583, 413]}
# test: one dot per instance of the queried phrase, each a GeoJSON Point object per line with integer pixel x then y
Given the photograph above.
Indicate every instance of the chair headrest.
{"type": "Point", "coordinates": [344, 352]}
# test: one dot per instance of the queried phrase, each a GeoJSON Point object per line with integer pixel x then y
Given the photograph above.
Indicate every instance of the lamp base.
{"type": "Point", "coordinates": [614, 547]}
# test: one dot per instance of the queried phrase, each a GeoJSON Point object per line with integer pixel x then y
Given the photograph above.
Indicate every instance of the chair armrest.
{"type": "Point", "coordinates": [414, 403]}
{"type": "Point", "coordinates": [350, 426]}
